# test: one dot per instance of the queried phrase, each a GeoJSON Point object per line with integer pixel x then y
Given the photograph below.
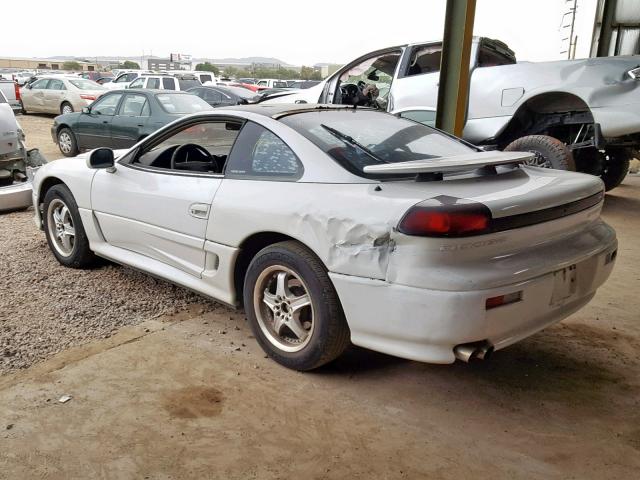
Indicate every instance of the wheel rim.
{"type": "Point", "coordinates": [538, 160]}
{"type": "Point", "coordinates": [61, 229]}
{"type": "Point", "coordinates": [64, 140]}
{"type": "Point", "coordinates": [284, 308]}
{"type": "Point", "coordinates": [67, 109]}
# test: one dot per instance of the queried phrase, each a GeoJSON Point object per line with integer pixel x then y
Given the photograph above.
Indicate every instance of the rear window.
{"type": "Point", "coordinates": [83, 84]}
{"type": "Point", "coordinates": [178, 103]}
{"type": "Point", "coordinates": [186, 84]}
{"type": "Point", "coordinates": [358, 138]}
{"type": "Point", "coordinates": [280, 85]}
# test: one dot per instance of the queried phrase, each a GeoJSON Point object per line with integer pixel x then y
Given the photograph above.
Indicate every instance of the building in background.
{"type": "Point", "coordinates": [18, 63]}
{"type": "Point", "coordinates": [616, 28]}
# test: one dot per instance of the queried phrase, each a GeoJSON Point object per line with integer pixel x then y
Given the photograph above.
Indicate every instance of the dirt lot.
{"type": "Point", "coordinates": [189, 394]}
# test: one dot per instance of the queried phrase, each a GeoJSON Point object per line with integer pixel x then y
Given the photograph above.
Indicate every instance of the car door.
{"type": "Point", "coordinates": [418, 78]}
{"type": "Point", "coordinates": [149, 208]}
{"type": "Point", "coordinates": [130, 120]}
{"type": "Point", "coordinates": [34, 98]}
{"type": "Point", "coordinates": [93, 128]}
{"type": "Point", "coordinates": [54, 95]}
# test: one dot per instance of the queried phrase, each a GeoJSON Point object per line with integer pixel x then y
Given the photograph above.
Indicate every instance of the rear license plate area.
{"type": "Point", "coordinates": [564, 284]}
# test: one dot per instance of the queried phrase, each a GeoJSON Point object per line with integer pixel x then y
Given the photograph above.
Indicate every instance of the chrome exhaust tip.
{"type": "Point", "coordinates": [468, 351]}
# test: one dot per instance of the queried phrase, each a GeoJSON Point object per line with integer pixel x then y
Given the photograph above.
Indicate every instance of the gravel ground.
{"type": "Point", "coordinates": [46, 308]}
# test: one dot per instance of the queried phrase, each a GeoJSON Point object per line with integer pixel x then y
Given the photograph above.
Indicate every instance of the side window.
{"type": "Point", "coordinates": [425, 60]}
{"type": "Point", "coordinates": [153, 82]}
{"type": "Point", "coordinates": [491, 58]}
{"type": "Point", "coordinates": [205, 78]}
{"type": "Point", "coordinates": [40, 84]}
{"type": "Point", "coordinates": [212, 96]}
{"type": "Point", "coordinates": [168, 83]}
{"type": "Point", "coordinates": [209, 146]}
{"type": "Point", "coordinates": [262, 83]}
{"type": "Point", "coordinates": [106, 105]}
{"type": "Point", "coordinates": [133, 106]}
{"type": "Point", "coordinates": [137, 83]}
{"type": "Point", "coordinates": [259, 153]}
{"type": "Point", "coordinates": [131, 77]}
{"type": "Point", "coordinates": [426, 117]}
{"type": "Point", "coordinates": [56, 85]}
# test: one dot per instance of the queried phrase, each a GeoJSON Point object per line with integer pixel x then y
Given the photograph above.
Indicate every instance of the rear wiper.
{"type": "Point", "coordinates": [346, 138]}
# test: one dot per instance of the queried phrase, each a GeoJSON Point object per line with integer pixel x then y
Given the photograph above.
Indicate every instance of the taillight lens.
{"type": "Point", "coordinates": [84, 96]}
{"type": "Point", "coordinates": [17, 90]}
{"type": "Point", "coordinates": [446, 217]}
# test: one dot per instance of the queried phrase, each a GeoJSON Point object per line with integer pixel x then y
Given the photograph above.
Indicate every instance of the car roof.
{"type": "Point", "coordinates": [280, 110]}
{"type": "Point", "coordinates": [148, 91]}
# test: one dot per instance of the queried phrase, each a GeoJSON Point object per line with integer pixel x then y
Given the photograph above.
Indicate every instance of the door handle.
{"type": "Point", "coordinates": [199, 210]}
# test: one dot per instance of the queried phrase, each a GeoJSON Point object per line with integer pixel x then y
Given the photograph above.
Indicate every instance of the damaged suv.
{"type": "Point", "coordinates": [579, 115]}
{"type": "Point", "coordinates": [17, 165]}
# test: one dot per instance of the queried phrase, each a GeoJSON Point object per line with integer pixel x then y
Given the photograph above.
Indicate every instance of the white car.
{"type": "Point", "coordinates": [334, 225]}
{"type": "Point", "coordinates": [124, 78]}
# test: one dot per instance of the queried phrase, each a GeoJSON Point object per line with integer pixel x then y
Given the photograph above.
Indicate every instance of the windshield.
{"type": "Point", "coordinates": [83, 84]}
{"type": "Point", "coordinates": [182, 103]}
{"type": "Point", "coordinates": [358, 138]}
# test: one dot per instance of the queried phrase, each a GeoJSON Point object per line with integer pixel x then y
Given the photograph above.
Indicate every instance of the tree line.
{"type": "Point", "coordinates": [305, 73]}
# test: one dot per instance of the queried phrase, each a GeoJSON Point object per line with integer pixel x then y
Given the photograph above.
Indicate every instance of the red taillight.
{"type": "Point", "coordinates": [500, 300]}
{"type": "Point", "coordinates": [17, 90]}
{"type": "Point", "coordinates": [451, 218]}
{"type": "Point", "coordinates": [84, 96]}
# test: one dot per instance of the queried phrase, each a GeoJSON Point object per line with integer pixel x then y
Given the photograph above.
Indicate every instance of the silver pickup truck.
{"type": "Point", "coordinates": [575, 114]}
{"type": "Point", "coordinates": [11, 92]}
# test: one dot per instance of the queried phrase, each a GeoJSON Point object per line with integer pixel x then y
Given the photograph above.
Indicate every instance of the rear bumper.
{"type": "Point", "coordinates": [425, 325]}
{"type": "Point", "coordinates": [15, 197]}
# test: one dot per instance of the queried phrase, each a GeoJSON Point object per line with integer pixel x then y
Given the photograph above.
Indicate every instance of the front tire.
{"type": "Point", "coordinates": [64, 231]}
{"type": "Point", "coordinates": [293, 308]}
{"type": "Point", "coordinates": [67, 142]}
{"type": "Point", "coordinates": [550, 152]}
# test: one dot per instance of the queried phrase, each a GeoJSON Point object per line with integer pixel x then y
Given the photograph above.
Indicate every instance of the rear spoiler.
{"type": "Point", "coordinates": [458, 163]}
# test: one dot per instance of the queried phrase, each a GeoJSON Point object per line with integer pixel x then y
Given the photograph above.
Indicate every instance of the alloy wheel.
{"type": "Point", "coordinates": [284, 309]}
{"type": "Point", "coordinates": [61, 229]}
{"type": "Point", "coordinates": [65, 142]}
{"type": "Point", "coordinates": [67, 109]}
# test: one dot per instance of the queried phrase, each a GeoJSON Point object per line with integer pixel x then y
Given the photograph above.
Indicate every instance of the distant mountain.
{"type": "Point", "coordinates": [228, 60]}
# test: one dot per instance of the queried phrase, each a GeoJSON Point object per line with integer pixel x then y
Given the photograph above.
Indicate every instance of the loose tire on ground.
{"type": "Point", "coordinates": [327, 331]}
{"type": "Point", "coordinates": [79, 255]}
{"type": "Point", "coordinates": [616, 167]}
{"type": "Point", "coordinates": [67, 142]}
{"type": "Point", "coordinates": [550, 152]}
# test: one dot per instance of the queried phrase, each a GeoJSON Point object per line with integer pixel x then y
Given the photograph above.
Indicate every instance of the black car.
{"type": "Point", "coordinates": [223, 96]}
{"type": "Point", "coordinates": [121, 118]}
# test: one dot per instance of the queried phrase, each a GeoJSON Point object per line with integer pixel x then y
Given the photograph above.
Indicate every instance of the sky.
{"type": "Point", "coordinates": [298, 33]}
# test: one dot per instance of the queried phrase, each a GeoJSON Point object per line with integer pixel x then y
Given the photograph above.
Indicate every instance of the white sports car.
{"type": "Point", "coordinates": [334, 225]}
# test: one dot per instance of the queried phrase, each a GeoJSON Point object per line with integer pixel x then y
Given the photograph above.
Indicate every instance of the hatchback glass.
{"type": "Point", "coordinates": [358, 138]}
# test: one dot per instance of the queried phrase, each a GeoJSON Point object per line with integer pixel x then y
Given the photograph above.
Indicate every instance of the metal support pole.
{"type": "Point", "coordinates": [453, 92]}
{"type": "Point", "coordinates": [606, 28]}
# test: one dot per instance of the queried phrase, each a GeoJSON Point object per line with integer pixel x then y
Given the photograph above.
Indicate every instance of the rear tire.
{"type": "Point", "coordinates": [293, 308]}
{"type": "Point", "coordinates": [66, 107]}
{"type": "Point", "coordinates": [67, 142]}
{"type": "Point", "coordinates": [550, 152]}
{"type": "Point", "coordinates": [64, 231]}
{"type": "Point", "coordinates": [616, 168]}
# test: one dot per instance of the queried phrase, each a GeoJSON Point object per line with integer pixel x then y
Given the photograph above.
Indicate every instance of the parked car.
{"type": "Point", "coordinates": [271, 83]}
{"type": "Point", "coordinates": [104, 80]}
{"type": "Point", "coordinates": [17, 165]}
{"type": "Point", "coordinates": [423, 246]}
{"type": "Point", "coordinates": [95, 76]}
{"type": "Point", "coordinates": [203, 77]}
{"type": "Point", "coordinates": [11, 91]}
{"type": "Point", "coordinates": [302, 84]}
{"type": "Point", "coordinates": [121, 118]}
{"type": "Point", "coordinates": [574, 114]}
{"type": "Point", "coordinates": [166, 82]}
{"type": "Point", "coordinates": [59, 94]}
{"type": "Point", "coordinates": [222, 96]}
{"type": "Point", "coordinates": [124, 78]}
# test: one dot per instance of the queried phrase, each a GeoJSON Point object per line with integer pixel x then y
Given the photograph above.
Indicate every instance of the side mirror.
{"type": "Point", "coordinates": [86, 110]}
{"type": "Point", "coordinates": [102, 158]}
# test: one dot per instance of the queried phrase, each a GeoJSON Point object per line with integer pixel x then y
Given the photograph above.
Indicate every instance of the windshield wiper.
{"type": "Point", "coordinates": [348, 139]}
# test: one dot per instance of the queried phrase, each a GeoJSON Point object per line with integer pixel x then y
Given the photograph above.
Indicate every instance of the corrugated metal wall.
{"type": "Point", "coordinates": [625, 28]}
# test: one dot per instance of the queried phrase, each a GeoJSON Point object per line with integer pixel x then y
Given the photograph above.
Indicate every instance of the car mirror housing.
{"type": "Point", "coordinates": [102, 158]}
{"type": "Point", "coordinates": [86, 110]}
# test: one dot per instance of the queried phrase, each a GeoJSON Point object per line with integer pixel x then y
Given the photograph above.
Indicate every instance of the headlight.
{"type": "Point", "coordinates": [634, 73]}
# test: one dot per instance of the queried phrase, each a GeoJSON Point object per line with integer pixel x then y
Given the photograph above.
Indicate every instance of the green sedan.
{"type": "Point", "coordinates": [121, 118]}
